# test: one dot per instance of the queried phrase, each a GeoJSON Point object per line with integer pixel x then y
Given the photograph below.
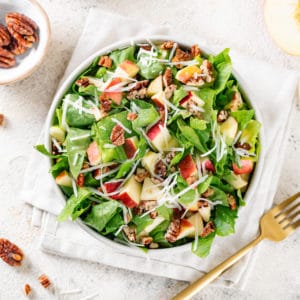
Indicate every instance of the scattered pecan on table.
{"type": "Point", "coordinates": [10, 253]}
{"type": "Point", "coordinates": [44, 281]}
{"type": "Point", "coordinates": [27, 289]}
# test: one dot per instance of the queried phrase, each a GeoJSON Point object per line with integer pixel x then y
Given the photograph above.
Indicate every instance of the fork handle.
{"type": "Point", "coordinates": [196, 286]}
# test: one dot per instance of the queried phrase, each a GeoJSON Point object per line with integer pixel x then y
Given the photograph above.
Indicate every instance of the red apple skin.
{"type": "Point", "coordinates": [209, 166]}
{"type": "Point", "coordinates": [129, 67]}
{"type": "Point", "coordinates": [130, 148]}
{"type": "Point", "coordinates": [185, 223]}
{"type": "Point", "coordinates": [93, 154]}
{"type": "Point", "coordinates": [246, 167]}
{"type": "Point", "coordinates": [111, 187]}
{"type": "Point", "coordinates": [185, 99]}
{"type": "Point", "coordinates": [154, 131]}
{"type": "Point", "coordinates": [158, 103]}
{"type": "Point", "coordinates": [115, 96]}
{"type": "Point", "coordinates": [187, 167]}
{"type": "Point", "coordinates": [127, 200]}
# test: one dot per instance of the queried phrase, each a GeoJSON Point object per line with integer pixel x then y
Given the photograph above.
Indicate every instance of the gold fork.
{"type": "Point", "coordinates": [275, 225]}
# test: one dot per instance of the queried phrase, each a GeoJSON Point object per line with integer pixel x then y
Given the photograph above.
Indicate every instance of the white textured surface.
{"type": "Point", "coordinates": [234, 23]}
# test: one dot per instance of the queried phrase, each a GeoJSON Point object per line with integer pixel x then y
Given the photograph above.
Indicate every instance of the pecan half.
{"type": "Point", "coordinates": [141, 174]}
{"type": "Point", "coordinates": [16, 48]}
{"type": "Point", "coordinates": [146, 240]}
{"type": "Point", "coordinates": [139, 90]}
{"type": "Point", "coordinates": [4, 36]}
{"type": "Point", "coordinates": [244, 146]}
{"type": "Point", "coordinates": [2, 120]}
{"type": "Point", "coordinates": [84, 82]}
{"type": "Point", "coordinates": [181, 55]}
{"type": "Point", "coordinates": [173, 230]}
{"type": "Point", "coordinates": [207, 71]}
{"type": "Point", "coordinates": [130, 233]}
{"type": "Point", "coordinates": [27, 289]}
{"type": "Point", "coordinates": [144, 206]}
{"type": "Point", "coordinates": [10, 253]}
{"type": "Point", "coordinates": [222, 115]}
{"type": "Point", "coordinates": [105, 103]}
{"type": "Point", "coordinates": [231, 201]}
{"type": "Point", "coordinates": [105, 61]}
{"type": "Point", "coordinates": [167, 77]}
{"type": "Point", "coordinates": [44, 281]}
{"type": "Point", "coordinates": [23, 21]}
{"type": "Point", "coordinates": [117, 135]}
{"type": "Point", "coordinates": [7, 59]}
{"type": "Point", "coordinates": [160, 169]}
{"type": "Point", "coordinates": [208, 229]}
{"type": "Point", "coordinates": [195, 51]}
{"type": "Point", "coordinates": [167, 45]}
{"type": "Point", "coordinates": [80, 180]}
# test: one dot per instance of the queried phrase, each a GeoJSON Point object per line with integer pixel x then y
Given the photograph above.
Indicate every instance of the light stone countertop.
{"type": "Point", "coordinates": [228, 23]}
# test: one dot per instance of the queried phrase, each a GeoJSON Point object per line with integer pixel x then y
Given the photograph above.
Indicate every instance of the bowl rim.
{"type": "Point", "coordinates": [40, 60]}
{"type": "Point", "coordinates": [122, 44]}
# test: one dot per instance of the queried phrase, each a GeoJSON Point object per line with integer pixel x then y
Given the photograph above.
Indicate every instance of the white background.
{"type": "Point", "coordinates": [227, 23]}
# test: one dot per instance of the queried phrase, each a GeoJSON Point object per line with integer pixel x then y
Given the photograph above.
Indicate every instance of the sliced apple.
{"type": "Point", "coordinates": [64, 179]}
{"type": "Point", "coordinates": [191, 96]}
{"type": "Point", "coordinates": [187, 167]}
{"type": "Point", "coordinates": [149, 160]}
{"type": "Point", "coordinates": [282, 18]}
{"type": "Point", "coordinates": [58, 133]}
{"type": "Point", "coordinates": [159, 99]}
{"type": "Point", "coordinates": [204, 211]}
{"type": "Point", "coordinates": [150, 191]}
{"type": "Point", "coordinates": [236, 101]}
{"type": "Point", "coordinates": [236, 181]}
{"type": "Point", "coordinates": [229, 130]}
{"type": "Point", "coordinates": [196, 220]}
{"type": "Point", "coordinates": [187, 229]}
{"type": "Point", "coordinates": [187, 73]}
{"type": "Point", "coordinates": [114, 96]}
{"type": "Point", "coordinates": [95, 81]}
{"type": "Point", "coordinates": [158, 220]}
{"type": "Point", "coordinates": [131, 146]}
{"type": "Point", "coordinates": [129, 67]}
{"type": "Point", "coordinates": [94, 154]}
{"type": "Point", "coordinates": [130, 193]}
{"type": "Point", "coordinates": [155, 86]}
{"type": "Point", "coordinates": [110, 187]}
{"type": "Point", "coordinates": [160, 137]}
{"type": "Point", "coordinates": [246, 167]}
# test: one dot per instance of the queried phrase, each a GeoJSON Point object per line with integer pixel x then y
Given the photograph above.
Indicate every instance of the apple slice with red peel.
{"type": "Point", "coordinates": [155, 86]}
{"type": "Point", "coordinates": [187, 229]}
{"type": "Point", "coordinates": [187, 73]}
{"type": "Point", "coordinates": [229, 130]}
{"type": "Point", "coordinates": [131, 146]}
{"type": "Point", "coordinates": [130, 68]}
{"type": "Point", "coordinates": [114, 96]}
{"type": "Point", "coordinates": [191, 96]}
{"type": "Point", "coordinates": [64, 179]}
{"type": "Point", "coordinates": [149, 160]}
{"type": "Point", "coordinates": [187, 167]}
{"type": "Point", "coordinates": [196, 220]}
{"type": "Point", "coordinates": [130, 193]}
{"type": "Point", "coordinates": [246, 167]}
{"type": "Point", "coordinates": [204, 211]}
{"type": "Point", "coordinates": [93, 153]}
{"type": "Point", "coordinates": [110, 187]}
{"type": "Point", "coordinates": [209, 166]}
{"type": "Point", "coordinates": [150, 191]}
{"type": "Point", "coordinates": [282, 18]}
{"type": "Point", "coordinates": [159, 99]}
{"type": "Point", "coordinates": [158, 220]}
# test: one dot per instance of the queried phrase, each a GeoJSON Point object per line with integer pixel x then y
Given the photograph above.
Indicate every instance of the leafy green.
{"type": "Point", "coordinates": [147, 114]}
{"type": "Point", "coordinates": [188, 197]}
{"type": "Point", "coordinates": [203, 245]}
{"type": "Point", "coordinates": [118, 56]}
{"type": "Point", "coordinates": [101, 72]}
{"type": "Point", "coordinates": [60, 165]}
{"type": "Point", "coordinates": [179, 95]}
{"type": "Point", "coordinates": [250, 133]}
{"type": "Point", "coordinates": [149, 69]}
{"type": "Point", "coordinates": [113, 224]}
{"type": "Point", "coordinates": [73, 203]}
{"type": "Point", "coordinates": [101, 214]}
{"type": "Point", "coordinates": [141, 222]}
{"type": "Point", "coordinates": [124, 169]}
{"type": "Point", "coordinates": [197, 123]}
{"type": "Point", "coordinates": [224, 220]}
{"type": "Point", "coordinates": [203, 186]}
{"type": "Point", "coordinates": [243, 117]}
{"type": "Point", "coordinates": [43, 150]}
{"type": "Point", "coordinates": [208, 96]}
{"type": "Point", "coordinates": [219, 195]}
{"type": "Point", "coordinates": [165, 212]}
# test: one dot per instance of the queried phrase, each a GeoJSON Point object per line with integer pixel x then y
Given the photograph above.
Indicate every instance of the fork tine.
{"type": "Point", "coordinates": [278, 208]}
{"type": "Point", "coordinates": [287, 221]}
{"type": "Point", "coordinates": [292, 227]}
{"type": "Point", "coordinates": [282, 215]}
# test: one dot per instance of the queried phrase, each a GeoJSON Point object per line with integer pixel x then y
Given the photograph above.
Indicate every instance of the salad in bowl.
{"type": "Point", "coordinates": [154, 146]}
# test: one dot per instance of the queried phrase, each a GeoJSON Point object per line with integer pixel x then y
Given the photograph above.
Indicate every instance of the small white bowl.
{"type": "Point", "coordinates": [32, 58]}
{"type": "Point", "coordinates": [74, 75]}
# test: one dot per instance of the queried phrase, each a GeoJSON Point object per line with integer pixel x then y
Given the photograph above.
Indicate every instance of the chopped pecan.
{"type": "Point", "coordinates": [130, 233]}
{"type": "Point", "coordinates": [84, 82]}
{"type": "Point", "coordinates": [131, 116]}
{"type": "Point", "coordinates": [244, 146]}
{"type": "Point", "coordinates": [80, 180]}
{"type": "Point", "coordinates": [141, 174]}
{"type": "Point", "coordinates": [208, 193]}
{"type": "Point", "coordinates": [4, 36]}
{"type": "Point", "coordinates": [153, 245]}
{"type": "Point", "coordinates": [105, 61]}
{"type": "Point", "coordinates": [169, 157]}
{"type": "Point", "coordinates": [7, 59]}
{"type": "Point", "coordinates": [2, 120]}
{"type": "Point", "coordinates": [27, 289]}
{"type": "Point", "coordinates": [160, 169]}
{"type": "Point", "coordinates": [146, 47]}
{"type": "Point", "coordinates": [222, 115]}
{"type": "Point", "coordinates": [236, 101]}
{"type": "Point", "coordinates": [146, 240]}
{"type": "Point", "coordinates": [117, 135]}
{"type": "Point", "coordinates": [169, 90]}
{"type": "Point", "coordinates": [44, 281]}
{"type": "Point", "coordinates": [231, 201]}
{"type": "Point", "coordinates": [153, 214]}
{"type": "Point", "coordinates": [181, 55]}
{"type": "Point", "coordinates": [105, 103]}
{"type": "Point", "coordinates": [145, 206]}
{"type": "Point", "coordinates": [195, 51]}
{"type": "Point", "coordinates": [207, 71]}
{"type": "Point", "coordinates": [16, 48]}
{"type": "Point", "coordinates": [167, 77]}
{"type": "Point", "coordinates": [173, 230]}
{"type": "Point", "coordinates": [10, 253]}
{"type": "Point", "coordinates": [194, 108]}
{"type": "Point", "coordinates": [208, 229]}
{"type": "Point", "coordinates": [167, 45]}
{"type": "Point", "coordinates": [139, 90]}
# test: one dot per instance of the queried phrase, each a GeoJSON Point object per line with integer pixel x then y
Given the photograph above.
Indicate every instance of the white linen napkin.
{"type": "Point", "coordinates": [270, 87]}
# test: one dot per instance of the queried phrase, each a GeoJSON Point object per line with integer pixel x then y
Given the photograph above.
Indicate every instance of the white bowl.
{"type": "Point", "coordinates": [33, 57]}
{"type": "Point", "coordinates": [74, 75]}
